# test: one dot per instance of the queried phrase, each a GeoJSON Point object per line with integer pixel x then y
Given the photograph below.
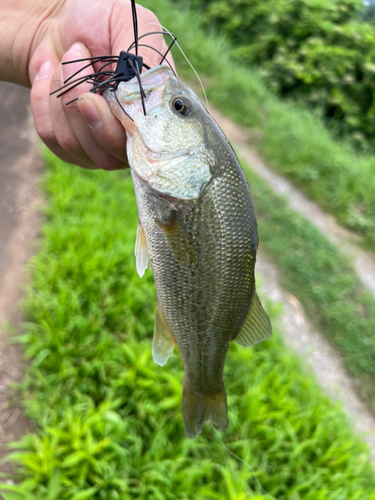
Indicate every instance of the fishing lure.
{"type": "Point", "coordinates": [128, 65]}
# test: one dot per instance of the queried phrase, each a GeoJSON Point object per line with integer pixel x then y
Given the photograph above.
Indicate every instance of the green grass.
{"type": "Point", "coordinates": [292, 139]}
{"type": "Point", "coordinates": [315, 272]}
{"type": "Point", "coordinates": [108, 420]}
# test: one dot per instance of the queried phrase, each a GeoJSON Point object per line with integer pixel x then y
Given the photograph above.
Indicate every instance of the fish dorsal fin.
{"type": "Point", "coordinates": [163, 342]}
{"type": "Point", "coordinates": [178, 241]}
{"type": "Point", "coordinates": [257, 326]}
{"type": "Point", "coordinates": [141, 251]}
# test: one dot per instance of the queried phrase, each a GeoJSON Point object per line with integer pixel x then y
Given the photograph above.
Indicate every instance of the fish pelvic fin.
{"type": "Point", "coordinates": [141, 251]}
{"type": "Point", "coordinates": [256, 327]}
{"type": "Point", "coordinates": [163, 342]}
{"type": "Point", "coordinates": [197, 409]}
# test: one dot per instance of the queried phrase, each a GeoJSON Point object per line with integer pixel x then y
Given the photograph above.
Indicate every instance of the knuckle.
{"type": "Point", "coordinates": [44, 128]}
{"type": "Point", "coordinates": [39, 100]}
{"type": "Point", "coordinates": [37, 97]}
{"type": "Point", "coordinates": [46, 133]}
{"type": "Point", "coordinates": [110, 164]}
{"type": "Point", "coordinates": [150, 17]}
{"type": "Point", "coordinates": [56, 80]}
{"type": "Point", "coordinates": [88, 165]}
{"type": "Point", "coordinates": [70, 144]}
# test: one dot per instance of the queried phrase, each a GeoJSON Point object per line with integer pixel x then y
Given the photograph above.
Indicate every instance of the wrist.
{"type": "Point", "coordinates": [22, 24]}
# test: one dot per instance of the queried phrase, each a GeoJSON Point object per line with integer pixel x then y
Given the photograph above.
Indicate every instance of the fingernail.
{"type": "Point", "coordinates": [46, 70]}
{"type": "Point", "coordinates": [90, 113]}
{"type": "Point", "coordinates": [76, 51]}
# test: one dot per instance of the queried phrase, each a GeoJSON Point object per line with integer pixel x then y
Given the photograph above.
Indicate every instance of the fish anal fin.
{"type": "Point", "coordinates": [197, 408]}
{"type": "Point", "coordinates": [178, 241]}
{"type": "Point", "coordinates": [141, 251]}
{"type": "Point", "coordinates": [163, 342]}
{"type": "Point", "coordinates": [257, 326]}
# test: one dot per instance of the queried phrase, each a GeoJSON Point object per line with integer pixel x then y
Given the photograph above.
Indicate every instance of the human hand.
{"type": "Point", "coordinates": [85, 132]}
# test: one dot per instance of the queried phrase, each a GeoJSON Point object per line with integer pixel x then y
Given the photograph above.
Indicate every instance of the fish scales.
{"type": "Point", "coordinates": [202, 248]}
{"type": "Point", "coordinates": [206, 302]}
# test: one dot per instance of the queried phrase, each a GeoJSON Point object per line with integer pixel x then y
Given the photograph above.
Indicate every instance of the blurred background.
{"type": "Point", "coordinates": [291, 83]}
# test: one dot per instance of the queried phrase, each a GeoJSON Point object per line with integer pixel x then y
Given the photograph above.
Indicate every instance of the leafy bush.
{"type": "Point", "coordinates": [316, 50]}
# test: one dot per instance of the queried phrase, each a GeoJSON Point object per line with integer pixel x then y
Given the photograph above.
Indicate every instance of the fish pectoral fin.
{"type": "Point", "coordinates": [163, 342]}
{"type": "Point", "coordinates": [178, 241]}
{"type": "Point", "coordinates": [257, 326]}
{"type": "Point", "coordinates": [141, 251]}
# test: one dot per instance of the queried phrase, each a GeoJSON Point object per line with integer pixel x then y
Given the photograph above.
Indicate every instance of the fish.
{"type": "Point", "coordinates": [198, 231]}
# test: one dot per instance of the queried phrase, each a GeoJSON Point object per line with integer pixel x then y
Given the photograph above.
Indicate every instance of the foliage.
{"type": "Point", "coordinates": [108, 419]}
{"type": "Point", "coordinates": [290, 138]}
{"type": "Point", "coordinates": [317, 51]}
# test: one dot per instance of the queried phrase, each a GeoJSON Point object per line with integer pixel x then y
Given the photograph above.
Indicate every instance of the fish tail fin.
{"type": "Point", "coordinates": [192, 410]}
{"type": "Point", "coordinates": [196, 409]}
{"type": "Point", "coordinates": [216, 409]}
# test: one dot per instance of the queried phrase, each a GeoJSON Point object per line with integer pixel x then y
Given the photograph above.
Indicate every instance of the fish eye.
{"type": "Point", "coordinates": [181, 105]}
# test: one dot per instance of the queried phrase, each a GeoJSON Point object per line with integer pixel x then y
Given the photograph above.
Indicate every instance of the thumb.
{"type": "Point", "coordinates": [41, 71]}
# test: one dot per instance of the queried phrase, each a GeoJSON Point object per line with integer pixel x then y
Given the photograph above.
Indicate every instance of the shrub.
{"type": "Point", "coordinates": [317, 51]}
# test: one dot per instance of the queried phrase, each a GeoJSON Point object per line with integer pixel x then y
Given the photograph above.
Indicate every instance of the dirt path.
{"type": "Point", "coordinates": [316, 351]}
{"type": "Point", "coordinates": [20, 167]}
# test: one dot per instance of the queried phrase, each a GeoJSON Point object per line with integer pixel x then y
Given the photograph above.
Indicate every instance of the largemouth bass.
{"type": "Point", "coordinates": [198, 230]}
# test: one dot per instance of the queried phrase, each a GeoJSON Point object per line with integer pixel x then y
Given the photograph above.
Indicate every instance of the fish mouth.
{"type": "Point", "coordinates": [154, 82]}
